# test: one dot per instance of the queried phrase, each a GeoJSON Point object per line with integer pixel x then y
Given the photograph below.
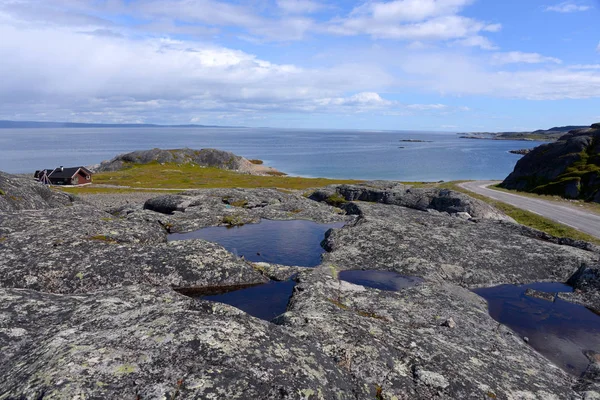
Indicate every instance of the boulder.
{"type": "Point", "coordinates": [442, 200]}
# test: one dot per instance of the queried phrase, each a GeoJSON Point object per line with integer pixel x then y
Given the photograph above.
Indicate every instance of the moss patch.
{"type": "Point", "coordinates": [103, 238]}
{"type": "Point", "coordinates": [232, 220]}
{"type": "Point", "coordinates": [2, 192]}
{"type": "Point", "coordinates": [336, 200]}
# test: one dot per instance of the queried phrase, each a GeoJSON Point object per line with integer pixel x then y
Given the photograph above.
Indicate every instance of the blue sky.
{"type": "Point", "coordinates": [453, 65]}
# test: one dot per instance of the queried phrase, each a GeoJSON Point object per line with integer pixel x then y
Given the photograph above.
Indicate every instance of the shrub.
{"type": "Point", "coordinates": [336, 200]}
{"type": "Point", "coordinates": [232, 220]}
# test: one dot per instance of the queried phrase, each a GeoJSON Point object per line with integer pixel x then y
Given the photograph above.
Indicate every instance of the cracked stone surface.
{"type": "Point", "coordinates": [139, 342]}
{"type": "Point", "coordinates": [88, 307]}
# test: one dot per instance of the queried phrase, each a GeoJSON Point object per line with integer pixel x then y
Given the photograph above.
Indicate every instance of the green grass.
{"type": "Point", "coordinates": [190, 176]}
{"type": "Point", "coordinates": [527, 218]}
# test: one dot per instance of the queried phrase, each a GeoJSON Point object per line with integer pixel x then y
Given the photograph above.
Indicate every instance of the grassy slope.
{"type": "Point", "coordinates": [528, 218]}
{"type": "Point", "coordinates": [189, 176]}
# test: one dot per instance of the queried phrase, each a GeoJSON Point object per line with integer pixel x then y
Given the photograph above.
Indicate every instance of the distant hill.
{"type": "Point", "coordinates": [36, 124]}
{"type": "Point", "coordinates": [551, 134]}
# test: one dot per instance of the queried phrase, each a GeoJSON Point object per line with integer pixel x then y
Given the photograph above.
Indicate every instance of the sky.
{"type": "Point", "coordinates": [435, 65]}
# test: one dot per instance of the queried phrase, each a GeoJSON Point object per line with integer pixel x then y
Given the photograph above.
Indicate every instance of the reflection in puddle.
{"type": "Point", "coordinates": [295, 242]}
{"type": "Point", "coordinates": [264, 301]}
{"type": "Point", "coordinates": [383, 280]}
{"type": "Point", "coordinates": [559, 330]}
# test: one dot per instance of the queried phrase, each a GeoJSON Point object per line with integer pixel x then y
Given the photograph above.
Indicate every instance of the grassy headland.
{"type": "Point", "coordinates": [155, 176]}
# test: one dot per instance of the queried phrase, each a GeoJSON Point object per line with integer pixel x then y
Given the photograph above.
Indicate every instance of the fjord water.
{"type": "Point", "coordinates": [559, 330]}
{"type": "Point", "coordinates": [322, 153]}
{"type": "Point", "coordinates": [295, 243]}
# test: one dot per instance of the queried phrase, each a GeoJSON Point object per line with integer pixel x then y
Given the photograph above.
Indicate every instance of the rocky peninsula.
{"type": "Point", "coordinates": [570, 167]}
{"type": "Point", "coordinates": [92, 300]}
{"type": "Point", "coordinates": [549, 135]}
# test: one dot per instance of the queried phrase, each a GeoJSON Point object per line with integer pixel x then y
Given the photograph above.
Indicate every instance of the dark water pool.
{"type": "Point", "coordinates": [559, 330]}
{"type": "Point", "coordinates": [264, 301]}
{"type": "Point", "coordinates": [384, 280]}
{"type": "Point", "coordinates": [295, 242]}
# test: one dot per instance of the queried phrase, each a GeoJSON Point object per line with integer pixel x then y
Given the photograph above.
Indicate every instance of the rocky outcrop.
{"type": "Point", "coordinates": [152, 343]}
{"type": "Point", "coordinates": [442, 200]}
{"type": "Point", "coordinates": [204, 157]}
{"type": "Point", "coordinates": [520, 151]}
{"type": "Point", "coordinates": [17, 193]}
{"type": "Point", "coordinates": [449, 249]}
{"type": "Point", "coordinates": [400, 345]}
{"type": "Point", "coordinates": [569, 167]}
{"type": "Point", "coordinates": [586, 282]}
{"type": "Point", "coordinates": [79, 250]}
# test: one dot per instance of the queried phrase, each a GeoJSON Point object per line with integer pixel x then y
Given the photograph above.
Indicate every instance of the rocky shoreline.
{"type": "Point", "coordinates": [91, 304]}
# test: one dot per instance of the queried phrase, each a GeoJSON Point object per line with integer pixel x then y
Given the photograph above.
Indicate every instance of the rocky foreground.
{"type": "Point", "coordinates": [91, 304]}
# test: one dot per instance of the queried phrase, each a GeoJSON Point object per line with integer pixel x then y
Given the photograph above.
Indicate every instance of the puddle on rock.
{"type": "Point", "coordinates": [265, 301]}
{"type": "Point", "coordinates": [383, 280]}
{"type": "Point", "coordinates": [296, 242]}
{"type": "Point", "coordinates": [559, 330]}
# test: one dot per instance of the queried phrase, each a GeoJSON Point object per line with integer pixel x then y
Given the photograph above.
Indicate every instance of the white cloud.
{"type": "Point", "coordinates": [299, 6]}
{"type": "Point", "coordinates": [585, 66]}
{"type": "Point", "coordinates": [517, 57]}
{"type": "Point", "coordinates": [43, 71]}
{"type": "Point", "coordinates": [477, 41]}
{"type": "Point", "coordinates": [455, 74]}
{"type": "Point", "coordinates": [423, 107]}
{"type": "Point", "coordinates": [415, 20]}
{"type": "Point", "coordinates": [567, 7]}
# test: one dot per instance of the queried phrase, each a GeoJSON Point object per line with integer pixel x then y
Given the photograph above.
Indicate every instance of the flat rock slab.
{"type": "Point", "coordinates": [399, 345]}
{"type": "Point", "coordinates": [193, 210]}
{"type": "Point", "coordinates": [152, 343]}
{"type": "Point", "coordinates": [483, 253]}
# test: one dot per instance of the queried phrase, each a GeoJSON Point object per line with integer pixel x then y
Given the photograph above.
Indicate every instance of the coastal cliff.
{"type": "Point", "coordinates": [570, 167]}
{"type": "Point", "coordinates": [92, 303]}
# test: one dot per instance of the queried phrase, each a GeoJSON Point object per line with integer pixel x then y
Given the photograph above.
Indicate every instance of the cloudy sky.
{"type": "Point", "coordinates": [403, 64]}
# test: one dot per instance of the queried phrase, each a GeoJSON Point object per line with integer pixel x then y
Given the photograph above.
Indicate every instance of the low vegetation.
{"type": "Point", "coordinates": [527, 218]}
{"type": "Point", "coordinates": [232, 220]}
{"type": "Point", "coordinates": [190, 176]}
{"type": "Point", "coordinates": [103, 238]}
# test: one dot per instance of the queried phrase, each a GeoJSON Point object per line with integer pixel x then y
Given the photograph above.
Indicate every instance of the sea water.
{"type": "Point", "coordinates": [311, 153]}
